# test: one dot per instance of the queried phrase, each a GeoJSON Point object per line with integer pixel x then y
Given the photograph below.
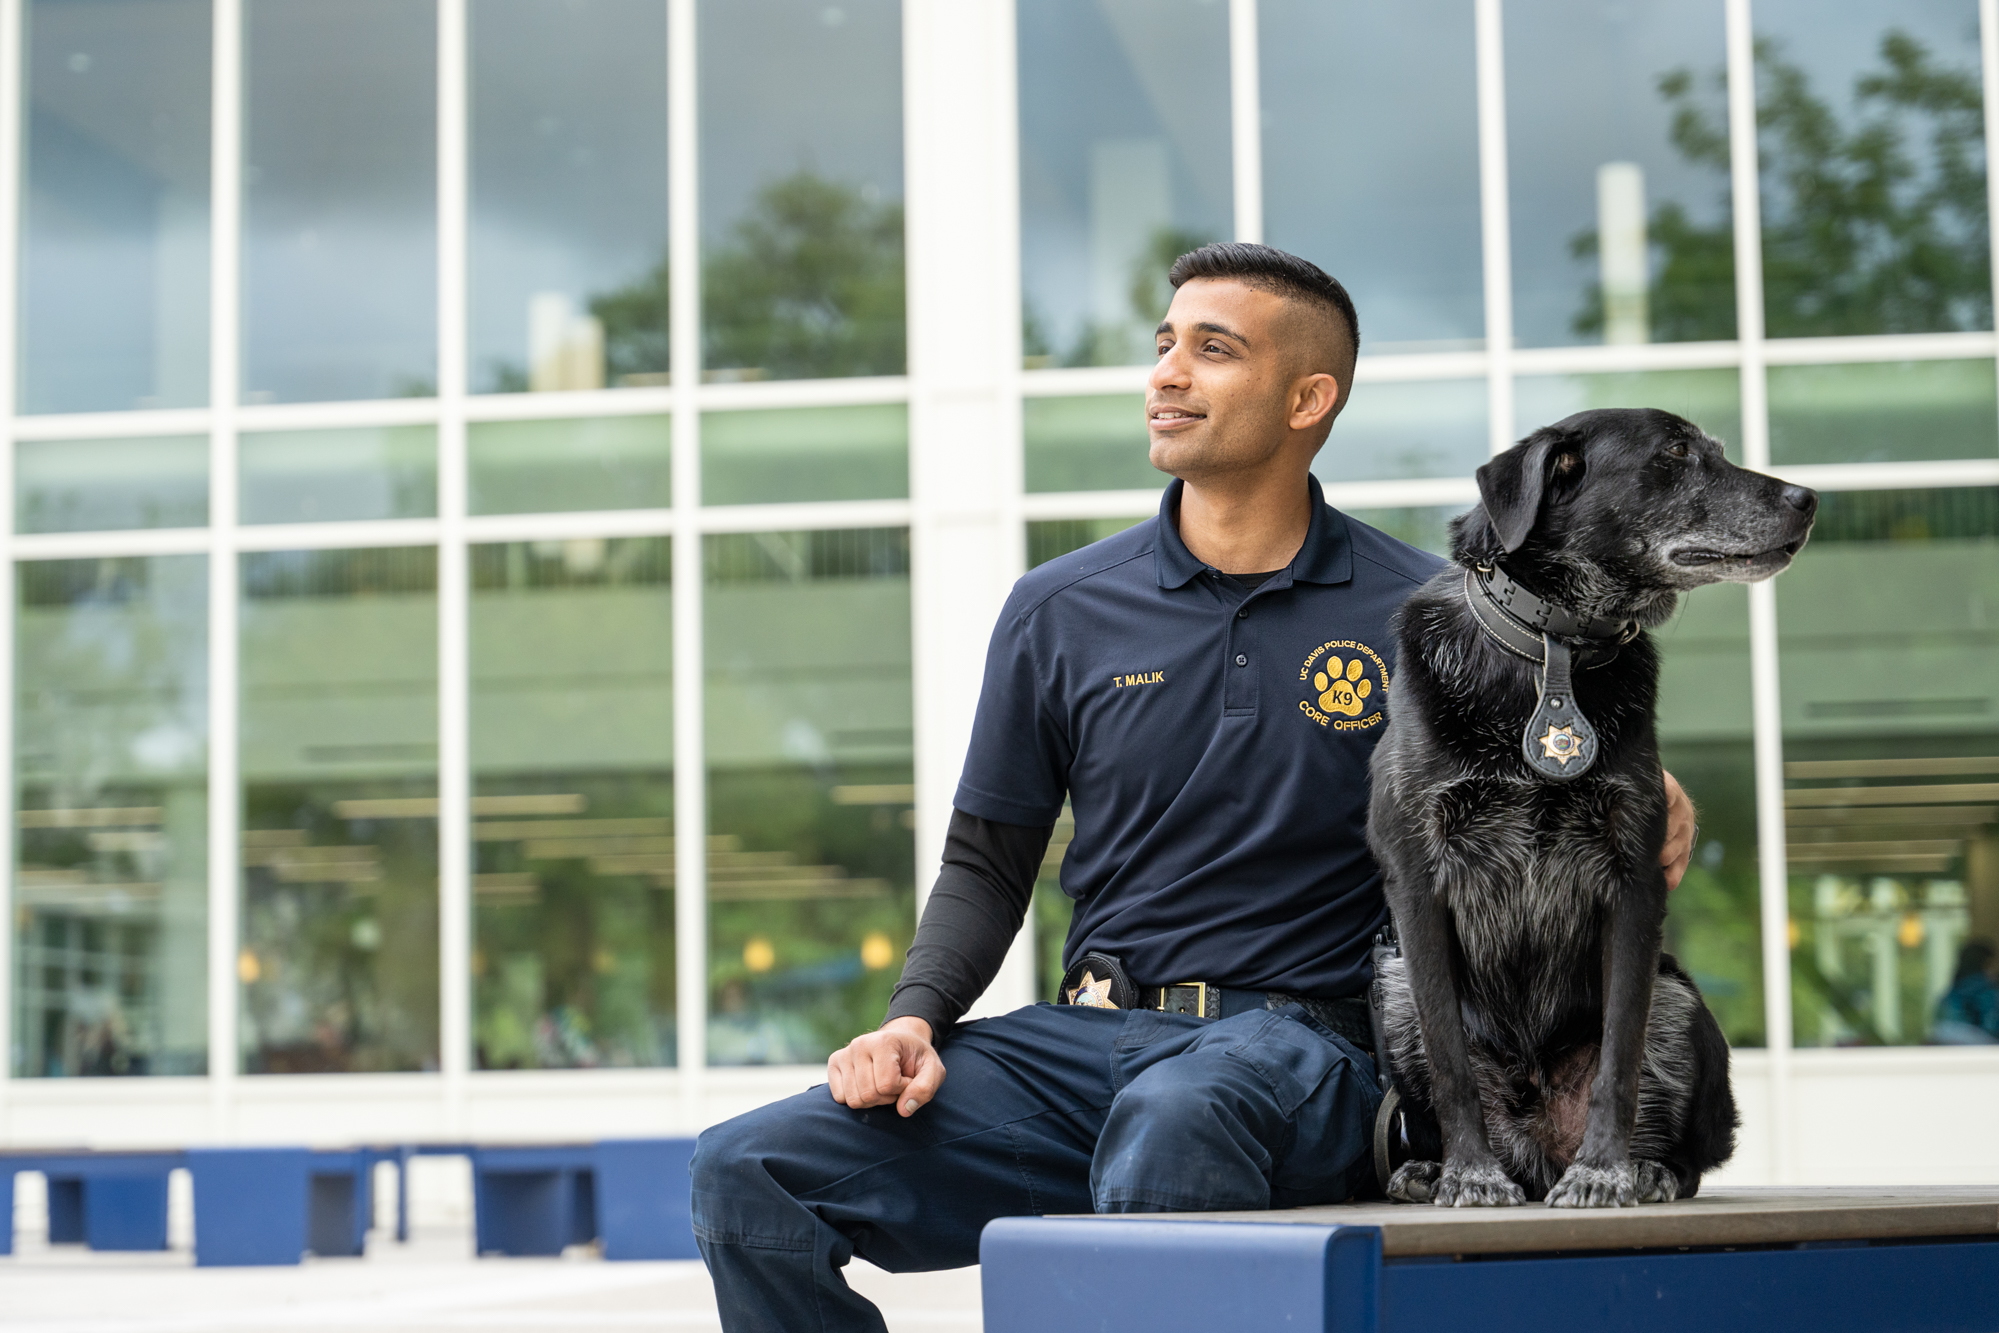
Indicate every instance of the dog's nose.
{"type": "Point", "coordinates": [1802, 499]}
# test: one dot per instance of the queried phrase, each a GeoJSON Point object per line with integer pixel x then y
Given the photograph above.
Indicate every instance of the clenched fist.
{"type": "Point", "coordinates": [895, 1063]}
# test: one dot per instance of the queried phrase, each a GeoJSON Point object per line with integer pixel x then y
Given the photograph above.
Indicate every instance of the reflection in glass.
{"type": "Point", "coordinates": [1049, 538]}
{"type": "Point", "coordinates": [114, 218]}
{"type": "Point", "coordinates": [1434, 429]}
{"type": "Point", "coordinates": [1873, 164]}
{"type": "Point", "coordinates": [1891, 753]}
{"type": "Point", "coordinates": [1427, 527]}
{"type": "Point", "coordinates": [813, 453]}
{"type": "Point", "coordinates": [339, 200]}
{"type": "Point", "coordinates": [1713, 919]}
{"type": "Point", "coordinates": [1124, 164]}
{"type": "Point", "coordinates": [352, 472]}
{"type": "Point", "coordinates": [1097, 443]}
{"type": "Point", "coordinates": [538, 467]}
{"type": "Point", "coordinates": [104, 485]}
{"type": "Point", "coordinates": [572, 769]}
{"type": "Point", "coordinates": [110, 923]}
{"type": "Point", "coordinates": [1617, 167]}
{"type": "Point", "coordinates": [568, 194]}
{"type": "Point", "coordinates": [801, 190]}
{"type": "Point", "coordinates": [1711, 399]}
{"type": "Point", "coordinates": [1404, 242]}
{"type": "Point", "coordinates": [811, 865]}
{"type": "Point", "coordinates": [338, 956]}
{"type": "Point", "coordinates": [1897, 412]}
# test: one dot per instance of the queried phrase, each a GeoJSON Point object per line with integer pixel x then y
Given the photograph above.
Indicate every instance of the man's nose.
{"type": "Point", "coordinates": [1169, 370]}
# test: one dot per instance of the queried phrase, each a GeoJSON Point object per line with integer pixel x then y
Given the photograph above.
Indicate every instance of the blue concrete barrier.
{"type": "Point", "coordinates": [105, 1200]}
{"type": "Point", "coordinates": [533, 1200]}
{"type": "Point", "coordinates": [644, 1198]}
{"type": "Point", "coordinates": [1112, 1276]}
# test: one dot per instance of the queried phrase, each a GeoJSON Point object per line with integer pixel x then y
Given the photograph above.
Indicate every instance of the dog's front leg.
{"type": "Point", "coordinates": [1471, 1176]}
{"type": "Point", "coordinates": [1602, 1175]}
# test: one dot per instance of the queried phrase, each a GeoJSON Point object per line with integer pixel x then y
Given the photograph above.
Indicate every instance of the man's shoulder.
{"type": "Point", "coordinates": [1380, 555]}
{"type": "Point", "coordinates": [1122, 553]}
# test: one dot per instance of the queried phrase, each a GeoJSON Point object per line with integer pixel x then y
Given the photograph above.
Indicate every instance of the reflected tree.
{"type": "Point", "coordinates": [1126, 341]}
{"type": "Point", "coordinates": [808, 284]}
{"type": "Point", "coordinates": [1873, 226]}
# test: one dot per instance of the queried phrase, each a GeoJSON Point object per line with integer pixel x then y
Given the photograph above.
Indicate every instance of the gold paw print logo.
{"type": "Point", "coordinates": [1342, 692]}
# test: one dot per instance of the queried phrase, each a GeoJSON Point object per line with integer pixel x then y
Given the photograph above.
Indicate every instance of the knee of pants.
{"type": "Point", "coordinates": [1179, 1145]}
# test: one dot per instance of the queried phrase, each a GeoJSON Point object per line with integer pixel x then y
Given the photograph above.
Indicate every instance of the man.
{"type": "Point", "coordinates": [1206, 690]}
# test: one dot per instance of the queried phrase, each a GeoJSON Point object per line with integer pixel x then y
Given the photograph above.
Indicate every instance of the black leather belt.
{"type": "Point", "coordinates": [1098, 981]}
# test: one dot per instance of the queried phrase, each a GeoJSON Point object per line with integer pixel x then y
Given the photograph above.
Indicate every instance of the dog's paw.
{"type": "Point", "coordinates": [1414, 1181]}
{"type": "Point", "coordinates": [1476, 1185]}
{"type": "Point", "coordinates": [1654, 1182]}
{"type": "Point", "coordinates": [1595, 1187]}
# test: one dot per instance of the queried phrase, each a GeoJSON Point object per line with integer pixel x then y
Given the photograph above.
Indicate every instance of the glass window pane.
{"type": "Point", "coordinates": [801, 188]}
{"type": "Point", "coordinates": [102, 485]}
{"type": "Point", "coordinates": [1873, 166]}
{"type": "Point", "coordinates": [1098, 443]}
{"type": "Point", "coordinates": [355, 472]}
{"type": "Point", "coordinates": [1425, 526]}
{"type": "Point", "coordinates": [1434, 429]}
{"type": "Point", "coordinates": [1049, 538]}
{"type": "Point", "coordinates": [339, 200]}
{"type": "Point", "coordinates": [338, 960]}
{"type": "Point", "coordinates": [1891, 761]}
{"type": "Point", "coordinates": [1714, 917]}
{"type": "Point", "coordinates": [1124, 165]}
{"type": "Point", "coordinates": [812, 453]}
{"type": "Point", "coordinates": [1883, 413]}
{"type": "Point", "coordinates": [1405, 242]}
{"type": "Point", "coordinates": [114, 218]}
{"type": "Point", "coordinates": [534, 467]}
{"type": "Point", "coordinates": [811, 861]}
{"type": "Point", "coordinates": [1711, 399]}
{"type": "Point", "coordinates": [1617, 169]}
{"type": "Point", "coordinates": [110, 916]}
{"type": "Point", "coordinates": [572, 772]}
{"type": "Point", "coordinates": [568, 186]}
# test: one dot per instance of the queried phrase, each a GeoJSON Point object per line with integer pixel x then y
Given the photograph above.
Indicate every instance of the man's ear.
{"type": "Point", "coordinates": [1513, 485]}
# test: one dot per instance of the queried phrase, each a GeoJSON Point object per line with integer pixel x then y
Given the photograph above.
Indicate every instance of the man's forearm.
{"type": "Point", "coordinates": [981, 896]}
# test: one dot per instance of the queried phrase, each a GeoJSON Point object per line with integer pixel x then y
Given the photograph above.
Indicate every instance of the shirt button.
{"type": "Point", "coordinates": [1242, 614]}
{"type": "Point", "coordinates": [1241, 660]}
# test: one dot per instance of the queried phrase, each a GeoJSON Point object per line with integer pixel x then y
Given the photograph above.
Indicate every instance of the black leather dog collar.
{"type": "Point", "coordinates": [1558, 743]}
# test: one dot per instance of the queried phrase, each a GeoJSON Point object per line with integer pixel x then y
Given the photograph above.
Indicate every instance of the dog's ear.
{"type": "Point", "coordinates": [1513, 485]}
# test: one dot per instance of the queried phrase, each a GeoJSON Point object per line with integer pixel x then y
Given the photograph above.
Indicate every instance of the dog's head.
{"type": "Point", "coordinates": [1618, 511]}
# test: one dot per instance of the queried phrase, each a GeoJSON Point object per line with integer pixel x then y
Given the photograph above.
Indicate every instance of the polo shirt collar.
{"type": "Point", "coordinates": [1326, 556]}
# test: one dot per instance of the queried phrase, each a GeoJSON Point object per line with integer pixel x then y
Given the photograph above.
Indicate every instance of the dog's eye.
{"type": "Point", "coordinates": [1678, 450]}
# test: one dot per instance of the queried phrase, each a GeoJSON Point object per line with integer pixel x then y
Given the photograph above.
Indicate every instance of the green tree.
{"type": "Point", "coordinates": [1878, 226]}
{"type": "Point", "coordinates": [807, 284]}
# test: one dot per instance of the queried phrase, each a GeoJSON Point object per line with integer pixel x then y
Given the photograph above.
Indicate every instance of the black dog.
{"type": "Point", "coordinates": [1518, 817]}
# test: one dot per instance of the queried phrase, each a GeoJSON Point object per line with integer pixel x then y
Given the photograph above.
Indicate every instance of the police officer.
{"type": "Point", "coordinates": [1205, 689]}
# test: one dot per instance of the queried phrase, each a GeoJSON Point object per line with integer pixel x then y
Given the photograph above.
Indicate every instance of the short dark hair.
{"type": "Point", "coordinates": [1271, 270]}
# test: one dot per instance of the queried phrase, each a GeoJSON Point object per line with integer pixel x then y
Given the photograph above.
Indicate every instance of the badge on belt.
{"type": "Point", "coordinates": [1097, 981]}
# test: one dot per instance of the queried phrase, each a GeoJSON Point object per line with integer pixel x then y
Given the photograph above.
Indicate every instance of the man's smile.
{"type": "Point", "coordinates": [1172, 418]}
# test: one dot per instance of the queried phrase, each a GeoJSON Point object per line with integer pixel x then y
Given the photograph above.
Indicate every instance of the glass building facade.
{"type": "Point", "coordinates": [489, 477]}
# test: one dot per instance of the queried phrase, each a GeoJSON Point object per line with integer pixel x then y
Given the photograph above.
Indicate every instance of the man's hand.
{"type": "Point", "coordinates": [1680, 829]}
{"type": "Point", "coordinates": [895, 1063]}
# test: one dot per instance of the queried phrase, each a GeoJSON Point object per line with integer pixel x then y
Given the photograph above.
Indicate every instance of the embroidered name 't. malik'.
{"type": "Point", "coordinates": [1142, 678]}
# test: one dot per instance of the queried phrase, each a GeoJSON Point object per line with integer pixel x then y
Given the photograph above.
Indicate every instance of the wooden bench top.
{"type": "Point", "coordinates": [1741, 1216]}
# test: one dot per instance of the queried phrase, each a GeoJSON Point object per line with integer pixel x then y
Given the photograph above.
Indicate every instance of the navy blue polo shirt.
{"type": "Point", "coordinates": [1213, 746]}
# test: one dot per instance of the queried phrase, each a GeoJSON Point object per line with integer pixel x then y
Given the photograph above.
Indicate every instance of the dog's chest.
{"type": "Point", "coordinates": [1525, 881]}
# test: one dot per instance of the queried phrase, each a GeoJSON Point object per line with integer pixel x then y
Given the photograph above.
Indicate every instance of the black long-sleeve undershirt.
{"type": "Point", "coordinates": [981, 897]}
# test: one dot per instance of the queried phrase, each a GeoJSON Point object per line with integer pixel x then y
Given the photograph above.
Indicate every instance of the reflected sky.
{"type": "Point", "coordinates": [1124, 162]}
{"type": "Point", "coordinates": [1353, 96]}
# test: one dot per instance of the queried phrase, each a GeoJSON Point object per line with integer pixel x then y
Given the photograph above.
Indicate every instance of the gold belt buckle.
{"type": "Point", "coordinates": [1201, 991]}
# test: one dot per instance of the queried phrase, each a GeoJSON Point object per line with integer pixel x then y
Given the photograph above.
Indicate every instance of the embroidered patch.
{"type": "Point", "coordinates": [1346, 686]}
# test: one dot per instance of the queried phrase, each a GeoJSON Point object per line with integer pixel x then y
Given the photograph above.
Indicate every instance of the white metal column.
{"type": "Point", "coordinates": [454, 756]}
{"type": "Point", "coordinates": [1768, 725]}
{"type": "Point", "coordinates": [690, 761]}
{"type": "Point", "coordinates": [224, 347]}
{"type": "Point", "coordinates": [963, 239]}
{"type": "Point", "coordinates": [1494, 227]}
{"type": "Point", "coordinates": [11, 91]}
{"type": "Point", "coordinates": [1246, 120]}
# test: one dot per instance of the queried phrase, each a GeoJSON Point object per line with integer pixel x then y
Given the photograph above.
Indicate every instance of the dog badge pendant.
{"type": "Point", "coordinates": [1558, 743]}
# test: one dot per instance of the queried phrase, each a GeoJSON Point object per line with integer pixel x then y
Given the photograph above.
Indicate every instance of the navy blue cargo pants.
{"type": "Point", "coordinates": [1050, 1109]}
